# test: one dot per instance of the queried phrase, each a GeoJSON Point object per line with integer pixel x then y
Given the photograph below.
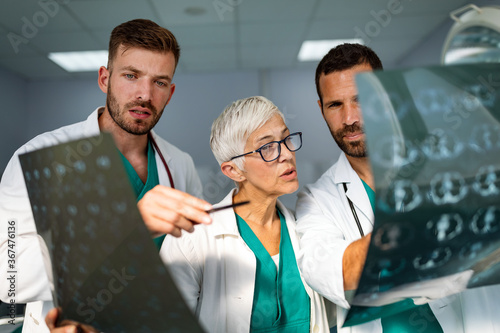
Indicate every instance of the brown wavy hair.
{"type": "Point", "coordinates": [144, 34]}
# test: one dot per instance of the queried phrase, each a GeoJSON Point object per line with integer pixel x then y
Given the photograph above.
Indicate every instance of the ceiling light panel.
{"type": "Point", "coordinates": [84, 61]}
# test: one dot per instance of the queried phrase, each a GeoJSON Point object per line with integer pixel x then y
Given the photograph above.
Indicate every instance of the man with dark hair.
{"type": "Point", "coordinates": [138, 84]}
{"type": "Point", "coordinates": [345, 57]}
{"type": "Point", "coordinates": [335, 215]}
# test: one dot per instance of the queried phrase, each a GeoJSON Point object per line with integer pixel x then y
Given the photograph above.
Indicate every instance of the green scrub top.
{"type": "Point", "coordinates": [280, 302]}
{"type": "Point", "coordinates": [138, 186]}
{"type": "Point", "coordinates": [416, 317]}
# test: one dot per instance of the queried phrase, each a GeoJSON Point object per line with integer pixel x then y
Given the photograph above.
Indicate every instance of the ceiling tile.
{"type": "Point", "coordinates": [268, 56]}
{"type": "Point", "coordinates": [390, 51]}
{"type": "Point", "coordinates": [335, 9]}
{"type": "Point", "coordinates": [12, 44]}
{"type": "Point", "coordinates": [370, 29]}
{"type": "Point", "coordinates": [173, 13]}
{"type": "Point", "coordinates": [282, 32]}
{"type": "Point", "coordinates": [107, 14]}
{"type": "Point", "coordinates": [208, 58]}
{"type": "Point", "coordinates": [423, 7]}
{"type": "Point", "coordinates": [204, 35]}
{"type": "Point", "coordinates": [331, 29]}
{"type": "Point", "coordinates": [35, 16]}
{"type": "Point", "coordinates": [416, 26]}
{"type": "Point", "coordinates": [74, 41]}
{"type": "Point", "coordinates": [332, 9]}
{"type": "Point", "coordinates": [329, 9]}
{"type": "Point", "coordinates": [101, 37]}
{"type": "Point", "coordinates": [274, 10]}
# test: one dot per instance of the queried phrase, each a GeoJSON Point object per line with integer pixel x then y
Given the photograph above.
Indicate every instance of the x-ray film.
{"type": "Point", "coordinates": [433, 138]}
{"type": "Point", "coordinates": [104, 267]}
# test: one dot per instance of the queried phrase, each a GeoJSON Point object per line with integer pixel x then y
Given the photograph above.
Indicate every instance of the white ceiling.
{"type": "Point", "coordinates": [229, 35]}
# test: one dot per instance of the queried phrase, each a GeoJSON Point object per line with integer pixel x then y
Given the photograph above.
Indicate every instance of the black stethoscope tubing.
{"type": "Point", "coordinates": [162, 159]}
{"type": "Point", "coordinates": [353, 211]}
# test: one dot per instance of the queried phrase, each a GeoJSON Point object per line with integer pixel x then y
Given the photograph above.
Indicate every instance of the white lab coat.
{"type": "Point", "coordinates": [215, 272]}
{"type": "Point", "coordinates": [326, 227]}
{"type": "Point", "coordinates": [32, 283]}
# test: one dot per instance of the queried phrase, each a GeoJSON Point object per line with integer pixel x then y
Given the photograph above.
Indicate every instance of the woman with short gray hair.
{"type": "Point", "coordinates": [240, 274]}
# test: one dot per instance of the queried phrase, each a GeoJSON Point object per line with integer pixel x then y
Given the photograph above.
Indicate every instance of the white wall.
{"type": "Point", "coordinates": [197, 101]}
{"type": "Point", "coordinates": [52, 104]}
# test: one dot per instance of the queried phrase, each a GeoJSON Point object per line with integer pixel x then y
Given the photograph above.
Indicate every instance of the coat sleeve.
{"type": "Point", "coordinates": [322, 246]}
{"type": "Point", "coordinates": [185, 266]}
{"type": "Point", "coordinates": [31, 279]}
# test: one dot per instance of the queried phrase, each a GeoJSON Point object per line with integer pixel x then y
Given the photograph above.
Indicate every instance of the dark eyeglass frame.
{"type": "Point", "coordinates": [259, 150]}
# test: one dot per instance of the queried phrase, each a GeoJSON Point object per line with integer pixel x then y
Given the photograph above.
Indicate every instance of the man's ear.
{"type": "Point", "coordinates": [232, 171]}
{"type": "Point", "coordinates": [172, 90]}
{"type": "Point", "coordinates": [321, 109]}
{"type": "Point", "coordinates": [103, 79]}
{"type": "Point", "coordinates": [320, 106]}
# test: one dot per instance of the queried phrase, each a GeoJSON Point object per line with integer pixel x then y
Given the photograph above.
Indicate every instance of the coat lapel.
{"type": "Point", "coordinates": [355, 189]}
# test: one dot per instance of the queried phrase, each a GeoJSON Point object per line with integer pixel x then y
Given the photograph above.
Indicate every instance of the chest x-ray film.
{"type": "Point", "coordinates": [106, 271]}
{"type": "Point", "coordinates": [433, 138]}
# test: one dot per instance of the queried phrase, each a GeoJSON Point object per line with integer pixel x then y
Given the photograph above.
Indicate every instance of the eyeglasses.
{"type": "Point", "coordinates": [272, 150]}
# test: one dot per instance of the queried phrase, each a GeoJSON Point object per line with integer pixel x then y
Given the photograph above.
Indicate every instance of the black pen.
{"type": "Point", "coordinates": [227, 206]}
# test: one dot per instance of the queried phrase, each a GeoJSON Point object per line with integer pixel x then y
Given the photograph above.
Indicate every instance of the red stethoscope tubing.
{"type": "Point", "coordinates": [162, 159]}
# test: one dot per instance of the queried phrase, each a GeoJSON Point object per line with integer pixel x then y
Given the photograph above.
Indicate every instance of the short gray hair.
{"type": "Point", "coordinates": [232, 128]}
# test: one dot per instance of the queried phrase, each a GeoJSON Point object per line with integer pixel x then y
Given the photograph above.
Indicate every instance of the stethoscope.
{"type": "Point", "coordinates": [353, 211]}
{"type": "Point", "coordinates": [150, 136]}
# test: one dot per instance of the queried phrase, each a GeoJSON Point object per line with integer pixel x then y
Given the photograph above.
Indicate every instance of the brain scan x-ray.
{"type": "Point", "coordinates": [104, 266]}
{"type": "Point", "coordinates": [433, 137]}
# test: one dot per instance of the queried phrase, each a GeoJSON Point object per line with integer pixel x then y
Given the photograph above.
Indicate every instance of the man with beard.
{"type": "Point", "coordinates": [138, 83]}
{"type": "Point", "coordinates": [335, 215]}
